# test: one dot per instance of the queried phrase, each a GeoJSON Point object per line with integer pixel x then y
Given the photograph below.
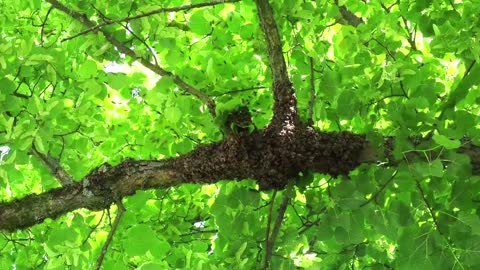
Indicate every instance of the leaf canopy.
{"type": "Point", "coordinates": [400, 69]}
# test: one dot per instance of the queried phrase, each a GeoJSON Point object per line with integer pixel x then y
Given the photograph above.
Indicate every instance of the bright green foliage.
{"type": "Point", "coordinates": [411, 69]}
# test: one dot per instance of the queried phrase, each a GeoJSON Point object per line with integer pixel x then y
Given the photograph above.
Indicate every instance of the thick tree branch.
{"type": "Point", "coordinates": [125, 50]}
{"type": "Point", "coordinates": [102, 187]}
{"type": "Point", "coordinates": [285, 104]}
{"type": "Point", "coordinates": [274, 160]}
{"type": "Point", "coordinates": [274, 44]}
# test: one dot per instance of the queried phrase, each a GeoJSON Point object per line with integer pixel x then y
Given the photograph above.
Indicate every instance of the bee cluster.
{"type": "Point", "coordinates": [272, 158]}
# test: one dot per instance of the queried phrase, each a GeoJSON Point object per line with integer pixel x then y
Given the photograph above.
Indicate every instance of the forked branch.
{"type": "Point", "coordinates": [208, 101]}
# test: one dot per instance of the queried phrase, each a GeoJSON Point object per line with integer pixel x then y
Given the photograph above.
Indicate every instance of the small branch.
{"type": "Point", "coordinates": [385, 97]}
{"type": "Point", "coordinates": [236, 91]}
{"type": "Point", "coordinates": [348, 16]}
{"type": "Point", "coordinates": [144, 42]}
{"type": "Point", "coordinates": [269, 222]}
{"type": "Point", "coordinates": [276, 229]}
{"type": "Point", "coordinates": [153, 12]}
{"type": "Point", "coordinates": [54, 166]}
{"type": "Point", "coordinates": [435, 222]}
{"type": "Point", "coordinates": [387, 9]}
{"type": "Point", "coordinates": [382, 188]}
{"type": "Point", "coordinates": [453, 5]}
{"type": "Point", "coordinates": [118, 218]}
{"type": "Point", "coordinates": [93, 229]}
{"type": "Point", "coordinates": [44, 23]}
{"type": "Point", "coordinates": [97, 191]}
{"type": "Point", "coordinates": [306, 226]}
{"type": "Point", "coordinates": [467, 71]}
{"type": "Point", "coordinates": [198, 232]}
{"type": "Point", "coordinates": [461, 90]}
{"type": "Point", "coordinates": [410, 34]}
{"type": "Point", "coordinates": [403, 90]}
{"type": "Point", "coordinates": [125, 50]}
{"type": "Point", "coordinates": [429, 207]}
{"type": "Point", "coordinates": [311, 102]}
{"type": "Point", "coordinates": [386, 48]}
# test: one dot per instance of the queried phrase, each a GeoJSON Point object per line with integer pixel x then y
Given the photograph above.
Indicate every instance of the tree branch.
{"type": "Point", "coordinates": [311, 102]}
{"type": "Point", "coordinates": [118, 218]}
{"type": "Point", "coordinates": [97, 191]}
{"type": "Point", "coordinates": [153, 12]}
{"type": "Point", "coordinates": [285, 103]}
{"type": "Point", "coordinates": [125, 50]}
{"type": "Point", "coordinates": [54, 167]}
{"type": "Point", "coordinates": [269, 224]}
{"type": "Point", "coordinates": [380, 190]}
{"type": "Point", "coordinates": [276, 229]}
{"type": "Point", "coordinates": [348, 16]}
{"type": "Point", "coordinates": [273, 161]}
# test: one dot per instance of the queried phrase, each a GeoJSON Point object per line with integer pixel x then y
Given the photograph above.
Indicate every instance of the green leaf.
{"type": "Point", "coordinates": [140, 239]}
{"type": "Point", "coordinates": [87, 69]}
{"type": "Point", "coordinates": [402, 211]}
{"type": "Point", "coordinates": [61, 239]}
{"type": "Point", "coordinates": [117, 80]}
{"type": "Point", "coordinates": [341, 235]}
{"type": "Point", "coordinates": [436, 168]}
{"type": "Point", "coordinates": [173, 115]}
{"type": "Point", "coordinates": [347, 104]}
{"type": "Point", "coordinates": [472, 220]}
{"type": "Point", "coordinates": [446, 142]}
{"type": "Point", "coordinates": [7, 86]}
{"type": "Point", "coordinates": [239, 252]}
{"type": "Point", "coordinates": [39, 144]}
{"type": "Point", "coordinates": [198, 24]}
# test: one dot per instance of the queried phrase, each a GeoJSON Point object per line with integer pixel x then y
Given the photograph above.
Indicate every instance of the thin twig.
{"type": "Point", "coordinates": [53, 166]}
{"type": "Point", "coordinates": [385, 97]}
{"type": "Point", "coordinates": [236, 91]}
{"type": "Point", "coordinates": [93, 229]}
{"type": "Point", "coordinates": [118, 218]}
{"type": "Point", "coordinates": [429, 207]}
{"type": "Point", "coordinates": [435, 222]}
{"type": "Point", "coordinates": [467, 71]}
{"type": "Point", "coordinates": [410, 34]}
{"type": "Point", "coordinates": [44, 23]}
{"type": "Point", "coordinates": [307, 225]}
{"type": "Point", "coordinates": [386, 48]}
{"type": "Point", "coordinates": [382, 188]}
{"type": "Point", "coordinates": [153, 12]}
{"type": "Point", "coordinates": [269, 219]}
{"type": "Point", "coordinates": [197, 232]}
